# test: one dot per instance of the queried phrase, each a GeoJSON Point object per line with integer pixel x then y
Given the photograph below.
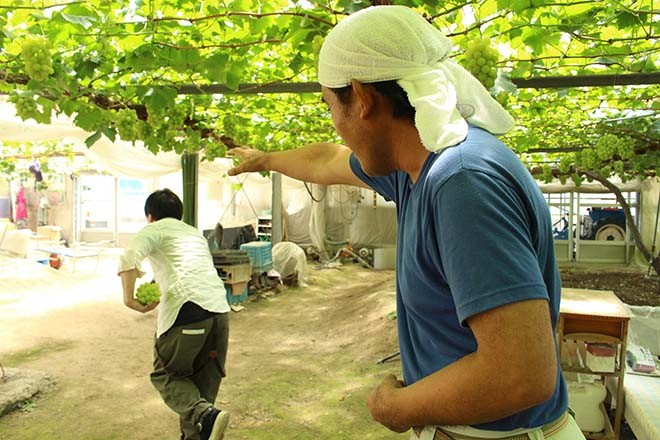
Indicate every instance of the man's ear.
{"type": "Point", "coordinates": [365, 98]}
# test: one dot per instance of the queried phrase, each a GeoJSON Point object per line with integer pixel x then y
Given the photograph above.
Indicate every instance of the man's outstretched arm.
{"type": "Point", "coordinates": [322, 163]}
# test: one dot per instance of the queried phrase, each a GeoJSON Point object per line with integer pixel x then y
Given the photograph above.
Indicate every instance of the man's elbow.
{"type": "Point", "coordinates": [534, 386]}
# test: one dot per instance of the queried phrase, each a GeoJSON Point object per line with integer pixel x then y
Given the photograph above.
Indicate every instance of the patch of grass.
{"type": "Point", "coordinates": [308, 404]}
{"type": "Point", "coordinates": [34, 353]}
{"type": "Point", "coordinates": [27, 406]}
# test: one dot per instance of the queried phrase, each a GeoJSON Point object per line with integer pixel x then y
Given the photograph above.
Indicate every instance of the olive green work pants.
{"type": "Point", "coordinates": [189, 364]}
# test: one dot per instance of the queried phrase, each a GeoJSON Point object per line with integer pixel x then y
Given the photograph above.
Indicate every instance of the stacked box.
{"type": "Point", "coordinates": [261, 255]}
{"type": "Point", "coordinates": [227, 257]}
{"type": "Point", "coordinates": [234, 273]}
{"type": "Point", "coordinates": [601, 357]}
{"type": "Point", "coordinates": [236, 298]}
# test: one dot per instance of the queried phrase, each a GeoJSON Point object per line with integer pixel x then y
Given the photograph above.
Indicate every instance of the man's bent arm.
{"type": "Point", "coordinates": [514, 368]}
{"type": "Point", "coordinates": [322, 163]}
{"type": "Point", "coordinates": [128, 278]}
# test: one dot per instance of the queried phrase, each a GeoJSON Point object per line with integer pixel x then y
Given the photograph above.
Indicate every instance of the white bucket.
{"type": "Point", "coordinates": [384, 258]}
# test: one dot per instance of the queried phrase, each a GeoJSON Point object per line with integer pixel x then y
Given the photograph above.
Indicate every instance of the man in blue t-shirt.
{"type": "Point", "coordinates": [477, 283]}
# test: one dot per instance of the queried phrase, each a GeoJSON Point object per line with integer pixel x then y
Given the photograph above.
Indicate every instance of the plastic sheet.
{"type": "Point", "coordinates": [290, 260]}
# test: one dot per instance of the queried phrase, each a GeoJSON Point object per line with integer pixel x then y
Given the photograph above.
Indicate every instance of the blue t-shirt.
{"type": "Point", "coordinates": [474, 234]}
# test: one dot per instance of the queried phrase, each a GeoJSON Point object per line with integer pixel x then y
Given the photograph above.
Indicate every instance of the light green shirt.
{"type": "Point", "coordinates": [182, 265]}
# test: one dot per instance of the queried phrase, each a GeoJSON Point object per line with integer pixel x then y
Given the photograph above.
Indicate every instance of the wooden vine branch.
{"type": "Point", "coordinates": [431, 18]}
{"type": "Point", "coordinates": [630, 221]}
{"type": "Point", "coordinates": [586, 57]}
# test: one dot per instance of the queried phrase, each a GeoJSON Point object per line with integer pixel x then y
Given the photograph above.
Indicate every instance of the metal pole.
{"type": "Point", "coordinates": [115, 235]}
{"type": "Point", "coordinates": [276, 229]}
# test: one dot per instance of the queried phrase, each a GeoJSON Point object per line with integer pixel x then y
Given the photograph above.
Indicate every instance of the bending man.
{"type": "Point", "coordinates": [193, 320]}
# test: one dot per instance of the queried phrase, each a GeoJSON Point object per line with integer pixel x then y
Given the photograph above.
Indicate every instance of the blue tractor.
{"type": "Point", "coordinates": [599, 224]}
{"type": "Point", "coordinates": [604, 224]}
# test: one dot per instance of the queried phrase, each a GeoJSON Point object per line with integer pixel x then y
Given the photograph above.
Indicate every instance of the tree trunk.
{"type": "Point", "coordinates": [630, 221]}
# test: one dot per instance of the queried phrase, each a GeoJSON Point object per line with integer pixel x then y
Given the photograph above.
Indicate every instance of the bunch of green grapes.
{"type": "Point", "coordinates": [38, 62]}
{"type": "Point", "coordinates": [577, 179]}
{"type": "Point", "coordinates": [566, 162]}
{"type": "Point", "coordinates": [177, 115]}
{"type": "Point", "coordinates": [547, 173]}
{"type": "Point", "coordinates": [155, 116]}
{"type": "Point", "coordinates": [26, 107]}
{"type": "Point", "coordinates": [148, 293]}
{"type": "Point", "coordinates": [618, 167]}
{"type": "Point", "coordinates": [126, 124]}
{"type": "Point", "coordinates": [482, 61]}
{"type": "Point", "coordinates": [228, 126]}
{"type": "Point", "coordinates": [588, 159]}
{"type": "Point", "coordinates": [626, 148]}
{"type": "Point", "coordinates": [502, 98]}
{"type": "Point", "coordinates": [607, 146]}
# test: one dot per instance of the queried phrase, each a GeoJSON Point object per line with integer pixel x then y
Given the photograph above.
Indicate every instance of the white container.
{"type": "Point", "coordinates": [385, 258]}
{"type": "Point", "coordinates": [585, 399]}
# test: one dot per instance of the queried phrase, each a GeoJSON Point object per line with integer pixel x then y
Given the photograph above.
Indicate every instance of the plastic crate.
{"type": "Point", "coordinates": [233, 298]}
{"type": "Point", "coordinates": [260, 252]}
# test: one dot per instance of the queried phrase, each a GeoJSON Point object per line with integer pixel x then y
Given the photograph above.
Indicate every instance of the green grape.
{"type": "Point", "coordinates": [607, 146]}
{"type": "Point", "coordinates": [148, 293]}
{"type": "Point", "coordinates": [36, 54]}
{"type": "Point", "coordinates": [577, 179]}
{"type": "Point", "coordinates": [565, 163]}
{"type": "Point", "coordinates": [317, 42]}
{"type": "Point", "coordinates": [482, 61]}
{"type": "Point", "coordinates": [26, 107]}
{"type": "Point", "coordinates": [126, 125]}
{"type": "Point", "coordinates": [547, 173]}
{"type": "Point", "coordinates": [626, 148]}
{"type": "Point", "coordinates": [155, 117]}
{"type": "Point", "coordinates": [618, 167]}
{"type": "Point", "coordinates": [177, 115]}
{"type": "Point", "coordinates": [229, 126]}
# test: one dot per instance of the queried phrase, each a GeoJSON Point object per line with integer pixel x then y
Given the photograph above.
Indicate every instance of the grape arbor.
{"type": "Point", "coordinates": [166, 73]}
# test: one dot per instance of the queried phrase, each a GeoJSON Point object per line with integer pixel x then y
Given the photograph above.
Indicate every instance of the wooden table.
{"type": "Point", "coordinates": [596, 316]}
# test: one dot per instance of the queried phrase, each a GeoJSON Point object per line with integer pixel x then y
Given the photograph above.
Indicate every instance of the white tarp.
{"type": "Point", "coordinates": [233, 201]}
{"type": "Point", "coordinates": [343, 214]}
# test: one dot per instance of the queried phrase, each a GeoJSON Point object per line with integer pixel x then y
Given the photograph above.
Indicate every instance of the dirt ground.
{"type": "Point", "coordinates": [631, 285]}
{"type": "Point", "coordinates": [300, 365]}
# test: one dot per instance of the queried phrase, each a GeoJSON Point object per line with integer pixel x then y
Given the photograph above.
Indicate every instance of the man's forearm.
{"type": "Point", "coordinates": [128, 278]}
{"type": "Point", "coordinates": [467, 392]}
{"type": "Point", "coordinates": [321, 163]}
{"type": "Point", "coordinates": [514, 368]}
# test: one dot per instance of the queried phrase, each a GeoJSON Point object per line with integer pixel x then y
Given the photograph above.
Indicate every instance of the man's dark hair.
{"type": "Point", "coordinates": [163, 203]}
{"type": "Point", "coordinates": [392, 91]}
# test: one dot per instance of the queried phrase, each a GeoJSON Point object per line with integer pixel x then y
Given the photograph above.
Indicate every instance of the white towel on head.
{"type": "Point", "coordinates": [385, 43]}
